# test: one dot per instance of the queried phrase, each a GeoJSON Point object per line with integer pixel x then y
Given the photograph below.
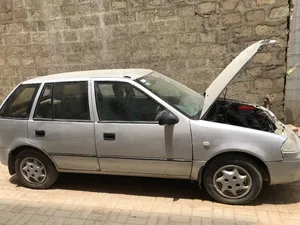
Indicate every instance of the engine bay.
{"type": "Point", "coordinates": [240, 114]}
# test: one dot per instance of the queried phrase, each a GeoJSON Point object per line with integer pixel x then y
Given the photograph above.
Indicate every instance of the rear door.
{"type": "Point", "coordinates": [63, 125]}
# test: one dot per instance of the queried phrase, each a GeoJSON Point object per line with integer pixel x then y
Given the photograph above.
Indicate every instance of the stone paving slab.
{"type": "Point", "coordinates": [78, 199]}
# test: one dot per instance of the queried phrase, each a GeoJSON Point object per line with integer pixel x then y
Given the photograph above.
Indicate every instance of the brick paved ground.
{"type": "Point", "coordinates": [109, 200]}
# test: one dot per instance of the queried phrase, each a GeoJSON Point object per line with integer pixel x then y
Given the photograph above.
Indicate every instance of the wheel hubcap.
{"type": "Point", "coordinates": [33, 170]}
{"type": "Point", "coordinates": [232, 181]}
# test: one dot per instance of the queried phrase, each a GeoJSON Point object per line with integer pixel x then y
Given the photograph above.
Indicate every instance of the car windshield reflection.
{"type": "Point", "coordinates": [184, 99]}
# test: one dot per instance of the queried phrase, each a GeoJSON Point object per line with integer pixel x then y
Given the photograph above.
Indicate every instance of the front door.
{"type": "Point", "coordinates": [63, 127]}
{"type": "Point", "coordinates": [129, 140]}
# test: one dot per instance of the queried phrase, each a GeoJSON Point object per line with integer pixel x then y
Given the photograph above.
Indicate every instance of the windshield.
{"type": "Point", "coordinates": [177, 95]}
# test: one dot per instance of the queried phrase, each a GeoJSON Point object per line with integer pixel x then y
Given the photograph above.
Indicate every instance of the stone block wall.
{"type": "Point", "coordinates": [188, 40]}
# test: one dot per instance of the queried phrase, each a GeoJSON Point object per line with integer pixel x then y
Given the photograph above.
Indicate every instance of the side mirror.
{"type": "Point", "coordinates": [165, 117]}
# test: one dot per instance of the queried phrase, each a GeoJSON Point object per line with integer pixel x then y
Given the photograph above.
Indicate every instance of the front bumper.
{"type": "Point", "coordinates": [288, 169]}
{"type": "Point", "coordinates": [284, 171]}
{"type": "Point", "coordinates": [4, 156]}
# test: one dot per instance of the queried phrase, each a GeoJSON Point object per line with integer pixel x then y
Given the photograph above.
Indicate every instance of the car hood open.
{"type": "Point", "coordinates": [219, 84]}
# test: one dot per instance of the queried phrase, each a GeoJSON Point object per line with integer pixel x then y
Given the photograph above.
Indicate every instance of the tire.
{"type": "Point", "coordinates": [39, 168]}
{"type": "Point", "coordinates": [235, 190]}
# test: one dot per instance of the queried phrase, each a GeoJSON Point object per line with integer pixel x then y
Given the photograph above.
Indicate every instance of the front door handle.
{"type": "Point", "coordinates": [40, 133]}
{"type": "Point", "coordinates": [109, 136]}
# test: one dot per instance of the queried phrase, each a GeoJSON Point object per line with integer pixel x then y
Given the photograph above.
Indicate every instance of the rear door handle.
{"type": "Point", "coordinates": [109, 136]}
{"type": "Point", "coordinates": [40, 133]}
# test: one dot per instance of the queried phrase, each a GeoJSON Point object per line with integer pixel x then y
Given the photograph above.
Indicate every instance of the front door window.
{"type": "Point", "coordinates": [119, 101]}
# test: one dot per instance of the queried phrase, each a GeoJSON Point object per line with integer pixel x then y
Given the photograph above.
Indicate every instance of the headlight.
{"type": "Point", "coordinates": [289, 146]}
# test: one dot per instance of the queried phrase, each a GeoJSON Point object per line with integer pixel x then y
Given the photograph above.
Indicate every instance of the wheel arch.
{"type": "Point", "coordinates": [14, 152]}
{"type": "Point", "coordinates": [262, 166]}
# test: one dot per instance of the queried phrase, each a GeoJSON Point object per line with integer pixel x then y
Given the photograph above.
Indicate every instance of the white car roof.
{"type": "Point", "coordinates": [86, 75]}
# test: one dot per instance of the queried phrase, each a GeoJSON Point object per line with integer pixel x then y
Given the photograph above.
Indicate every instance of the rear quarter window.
{"type": "Point", "coordinates": [19, 103]}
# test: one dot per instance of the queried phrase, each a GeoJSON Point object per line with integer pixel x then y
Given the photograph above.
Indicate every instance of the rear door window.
{"type": "Point", "coordinates": [70, 101]}
{"type": "Point", "coordinates": [64, 101]}
{"type": "Point", "coordinates": [44, 106]}
{"type": "Point", "coordinates": [19, 103]}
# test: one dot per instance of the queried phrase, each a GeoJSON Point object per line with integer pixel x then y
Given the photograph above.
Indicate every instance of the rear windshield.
{"type": "Point", "coordinates": [19, 103]}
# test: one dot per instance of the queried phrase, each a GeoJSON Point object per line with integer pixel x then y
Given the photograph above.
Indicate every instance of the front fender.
{"type": "Point", "coordinates": [211, 139]}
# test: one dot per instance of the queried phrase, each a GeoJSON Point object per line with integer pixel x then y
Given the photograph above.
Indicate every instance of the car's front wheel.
{"type": "Point", "coordinates": [35, 170]}
{"type": "Point", "coordinates": [233, 179]}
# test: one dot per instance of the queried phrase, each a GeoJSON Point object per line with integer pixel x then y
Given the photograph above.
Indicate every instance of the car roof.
{"type": "Point", "coordinates": [86, 75]}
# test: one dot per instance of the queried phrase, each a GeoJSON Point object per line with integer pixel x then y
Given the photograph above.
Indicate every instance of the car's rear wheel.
{"type": "Point", "coordinates": [233, 180]}
{"type": "Point", "coordinates": [35, 170]}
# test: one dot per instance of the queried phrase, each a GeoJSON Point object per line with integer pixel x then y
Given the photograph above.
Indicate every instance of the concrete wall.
{"type": "Point", "coordinates": [189, 40]}
{"type": "Point", "coordinates": [292, 93]}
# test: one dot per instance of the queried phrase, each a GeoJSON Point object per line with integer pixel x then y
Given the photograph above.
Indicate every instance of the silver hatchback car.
{"type": "Point", "coordinates": [138, 122]}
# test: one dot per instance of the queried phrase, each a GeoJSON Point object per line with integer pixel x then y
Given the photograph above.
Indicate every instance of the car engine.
{"type": "Point", "coordinates": [240, 114]}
